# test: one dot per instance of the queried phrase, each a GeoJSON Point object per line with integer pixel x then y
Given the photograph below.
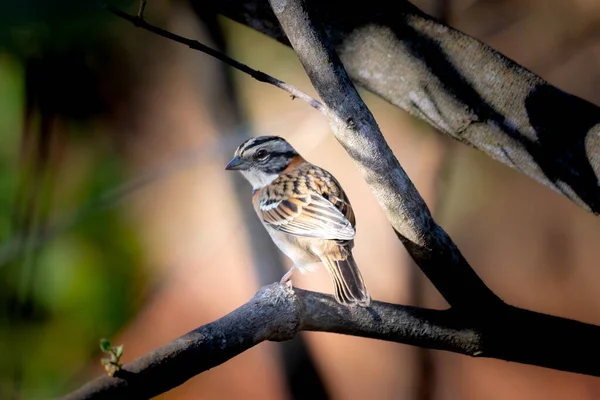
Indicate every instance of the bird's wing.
{"type": "Point", "coordinates": [310, 216]}
{"type": "Point", "coordinates": [308, 209]}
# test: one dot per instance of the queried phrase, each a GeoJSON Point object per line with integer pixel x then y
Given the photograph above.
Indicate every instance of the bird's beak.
{"type": "Point", "coordinates": [237, 163]}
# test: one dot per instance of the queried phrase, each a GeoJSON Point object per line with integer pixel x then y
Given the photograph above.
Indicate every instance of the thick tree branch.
{"type": "Point", "coordinates": [459, 85]}
{"type": "Point", "coordinates": [278, 313]}
{"type": "Point", "coordinates": [355, 128]}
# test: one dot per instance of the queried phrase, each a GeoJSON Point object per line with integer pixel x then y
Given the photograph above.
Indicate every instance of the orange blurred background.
{"type": "Point", "coordinates": [147, 262]}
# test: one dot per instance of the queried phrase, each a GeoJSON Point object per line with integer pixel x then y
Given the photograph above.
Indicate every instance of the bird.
{"type": "Point", "coordinates": [305, 211]}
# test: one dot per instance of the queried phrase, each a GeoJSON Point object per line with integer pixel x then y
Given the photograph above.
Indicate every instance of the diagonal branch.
{"type": "Point", "coordinates": [459, 85]}
{"type": "Point", "coordinates": [355, 128]}
{"type": "Point", "coordinates": [260, 76]}
{"type": "Point", "coordinates": [277, 313]}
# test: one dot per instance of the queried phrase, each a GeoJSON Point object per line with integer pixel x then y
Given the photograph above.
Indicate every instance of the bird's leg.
{"type": "Point", "coordinates": [287, 278]}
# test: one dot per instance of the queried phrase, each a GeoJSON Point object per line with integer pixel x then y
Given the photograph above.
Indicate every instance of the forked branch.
{"type": "Point", "coordinates": [457, 84]}
{"type": "Point", "coordinates": [355, 128]}
{"type": "Point", "coordinates": [478, 324]}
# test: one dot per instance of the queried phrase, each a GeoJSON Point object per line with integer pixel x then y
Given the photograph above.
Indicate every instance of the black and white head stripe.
{"type": "Point", "coordinates": [273, 144]}
{"type": "Point", "coordinates": [269, 154]}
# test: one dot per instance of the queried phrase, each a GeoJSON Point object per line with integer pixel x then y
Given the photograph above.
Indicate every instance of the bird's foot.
{"type": "Point", "coordinates": [287, 278]}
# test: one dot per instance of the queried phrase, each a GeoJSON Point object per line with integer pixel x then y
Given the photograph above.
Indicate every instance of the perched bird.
{"type": "Point", "coordinates": [306, 212]}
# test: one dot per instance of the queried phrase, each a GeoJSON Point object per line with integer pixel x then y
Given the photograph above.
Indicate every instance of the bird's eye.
{"type": "Point", "coordinates": [261, 155]}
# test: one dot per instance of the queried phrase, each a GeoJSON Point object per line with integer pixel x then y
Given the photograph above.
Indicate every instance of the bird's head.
{"type": "Point", "coordinates": [262, 159]}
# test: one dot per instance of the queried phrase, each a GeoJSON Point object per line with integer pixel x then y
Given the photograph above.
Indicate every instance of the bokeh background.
{"type": "Point", "coordinates": [117, 219]}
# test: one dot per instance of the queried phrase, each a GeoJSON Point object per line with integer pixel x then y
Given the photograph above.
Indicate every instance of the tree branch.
{"type": "Point", "coordinates": [278, 313]}
{"type": "Point", "coordinates": [140, 22]}
{"type": "Point", "coordinates": [495, 330]}
{"type": "Point", "coordinates": [355, 128]}
{"type": "Point", "coordinates": [459, 85]}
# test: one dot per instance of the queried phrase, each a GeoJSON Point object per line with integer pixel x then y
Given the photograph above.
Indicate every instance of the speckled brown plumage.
{"type": "Point", "coordinates": [307, 201]}
{"type": "Point", "coordinates": [305, 211]}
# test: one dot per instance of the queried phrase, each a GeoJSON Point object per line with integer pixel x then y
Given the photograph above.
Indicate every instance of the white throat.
{"type": "Point", "coordinates": [259, 179]}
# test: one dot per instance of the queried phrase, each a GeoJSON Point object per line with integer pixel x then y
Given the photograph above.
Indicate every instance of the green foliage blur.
{"type": "Point", "coordinates": [66, 278]}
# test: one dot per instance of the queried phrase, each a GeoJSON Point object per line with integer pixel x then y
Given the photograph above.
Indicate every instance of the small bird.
{"type": "Point", "coordinates": [305, 211]}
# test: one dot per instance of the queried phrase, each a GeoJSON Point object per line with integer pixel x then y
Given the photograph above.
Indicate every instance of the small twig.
{"type": "Point", "coordinates": [260, 76]}
{"type": "Point", "coordinates": [112, 364]}
{"type": "Point", "coordinates": [142, 9]}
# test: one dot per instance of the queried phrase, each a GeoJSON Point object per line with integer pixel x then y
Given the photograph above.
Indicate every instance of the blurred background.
{"type": "Point", "coordinates": [117, 219]}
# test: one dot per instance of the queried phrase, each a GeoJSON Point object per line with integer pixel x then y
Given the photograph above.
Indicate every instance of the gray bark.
{"type": "Point", "coordinates": [459, 85]}
{"type": "Point", "coordinates": [479, 323]}
{"type": "Point", "coordinates": [355, 128]}
{"type": "Point", "coordinates": [277, 313]}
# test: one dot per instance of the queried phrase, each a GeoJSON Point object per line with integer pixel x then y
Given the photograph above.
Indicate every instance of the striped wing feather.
{"type": "Point", "coordinates": [310, 216]}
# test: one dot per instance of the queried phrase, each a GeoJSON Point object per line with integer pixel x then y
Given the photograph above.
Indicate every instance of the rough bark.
{"type": "Point", "coordinates": [459, 85]}
{"type": "Point", "coordinates": [278, 313]}
{"type": "Point", "coordinates": [478, 324]}
{"type": "Point", "coordinates": [355, 128]}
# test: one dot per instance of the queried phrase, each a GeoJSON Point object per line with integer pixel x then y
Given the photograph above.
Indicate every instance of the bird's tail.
{"type": "Point", "coordinates": [347, 281]}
